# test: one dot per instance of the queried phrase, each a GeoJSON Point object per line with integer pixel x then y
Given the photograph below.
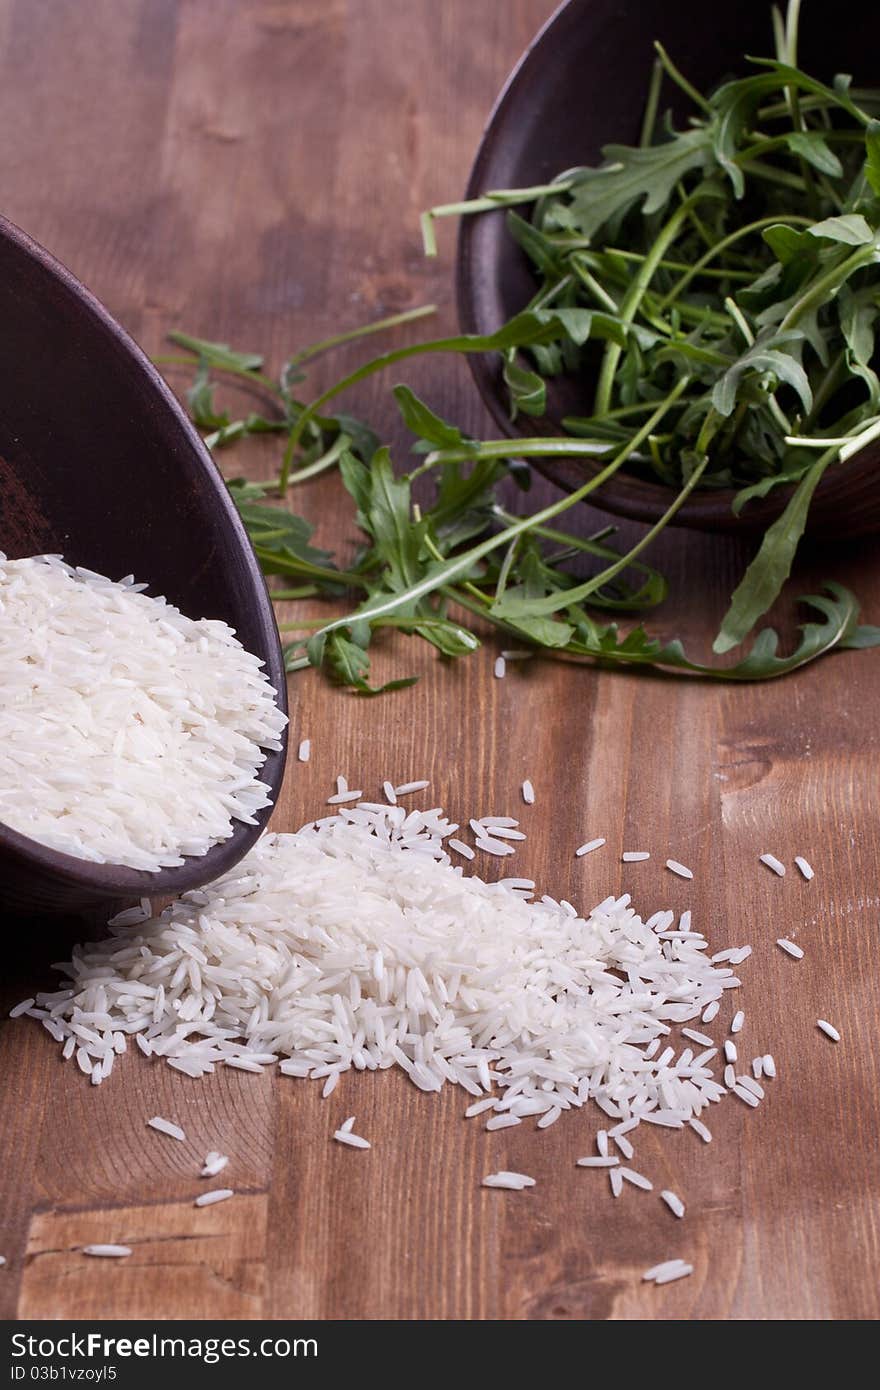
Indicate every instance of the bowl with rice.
{"type": "Point", "coordinates": [142, 691]}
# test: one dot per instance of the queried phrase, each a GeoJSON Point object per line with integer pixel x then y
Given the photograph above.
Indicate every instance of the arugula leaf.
{"type": "Point", "coordinates": [763, 356]}
{"type": "Point", "coordinates": [396, 540]}
{"type": "Point", "coordinates": [200, 399]}
{"type": "Point", "coordinates": [630, 174]}
{"type": "Point", "coordinates": [246, 490]}
{"type": "Point", "coordinates": [812, 146]}
{"type": "Point", "coordinates": [766, 485]}
{"type": "Point", "coordinates": [859, 312]}
{"type": "Point", "coordinates": [850, 229]}
{"type": "Point", "coordinates": [219, 355]}
{"type": "Point", "coordinates": [839, 629]}
{"type": "Point", "coordinates": [788, 244]}
{"type": "Point", "coordinates": [421, 421]}
{"type": "Point", "coordinates": [731, 272]}
{"type": "Point", "coordinates": [348, 662]}
{"type": "Point", "coordinates": [528, 390]}
{"type": "Point", "coordinates": [765, 576]}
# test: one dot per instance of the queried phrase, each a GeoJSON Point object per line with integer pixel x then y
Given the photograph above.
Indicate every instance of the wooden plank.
{"type": "Point", "coordinates": [186, 1262]}
{"type": "Point", "coordinates": [252, 170]}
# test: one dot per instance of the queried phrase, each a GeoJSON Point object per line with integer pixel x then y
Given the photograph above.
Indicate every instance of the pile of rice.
{"type": "Point", "coordinates": [129, 733]}
{"type": "Point", "coordinates": [356, 943]}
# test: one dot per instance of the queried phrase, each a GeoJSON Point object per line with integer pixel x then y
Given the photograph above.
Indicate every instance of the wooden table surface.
{"type": "Point", "coordinates": [252, 171]}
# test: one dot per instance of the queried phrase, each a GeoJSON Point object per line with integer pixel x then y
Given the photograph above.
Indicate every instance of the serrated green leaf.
{"type": "Point", "coordinates": [631, 175]}
{"type": "Point", "coordinates": [838, 628]}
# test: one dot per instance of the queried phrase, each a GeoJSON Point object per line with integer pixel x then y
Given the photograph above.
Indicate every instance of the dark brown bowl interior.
{"type": "Point", "coordinates": [98, 462]}
{"type": "Point", "coordinates": [581, 85]}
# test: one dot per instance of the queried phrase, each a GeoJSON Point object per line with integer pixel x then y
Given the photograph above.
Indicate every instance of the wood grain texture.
{"type": "Point", "coordinates": [252, 170]}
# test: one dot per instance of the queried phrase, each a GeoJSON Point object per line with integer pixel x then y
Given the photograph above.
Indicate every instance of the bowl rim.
{"type": "Point", "coordinates": [105, 881]}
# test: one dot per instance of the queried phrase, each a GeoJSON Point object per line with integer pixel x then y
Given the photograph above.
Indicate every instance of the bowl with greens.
{"type": "Point", "coordinates": [669, 286]}
{"type": "Point", "coordinates": [709, 224]}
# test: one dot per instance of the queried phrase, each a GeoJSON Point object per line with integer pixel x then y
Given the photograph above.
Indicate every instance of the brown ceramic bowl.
{"type": "Point", "coordinates": [99, 463]}
{"type": "Point", "coordinates": [581, 85]}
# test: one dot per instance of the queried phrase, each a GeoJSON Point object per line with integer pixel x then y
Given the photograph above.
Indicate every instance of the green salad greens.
{"type": "Point", "coordinates": [717, 290]}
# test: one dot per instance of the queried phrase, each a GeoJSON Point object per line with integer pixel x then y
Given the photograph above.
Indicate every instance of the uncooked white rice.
{"type": "Point", "coordinates": [667, 1267]}
{"type": "Point", "coordinates": [492, 846]}
{"type": "Point", "coordinates": [749, 1083]}
{"type": "Point", "coordinates": [745, 1094]}
{"type": "Point", "coordinates": [406, 787]}
{"type": "Point", "coordinates": [670, 1275]}
{"type": "Point", "coordinates": [625, 1127]}
{"type": "Point", "coordinates": [599, 1162]}
{"type": "Point", "coordinates": [805, 867]}
{"type": "Point", "coordinates": [112, 1252]}
{"type": "Point", "coordinates": [624, 1145]}
{"type": "Point", "coordinates": [530, 1008]}
{"type": "Point", "coordinates": [673, 1201]}
{"type": "Point", "coordinates": [500, 667]}
{"type": "Point", "coordinates": [389, 793]}
{"type": "Point", "coordinates": [699, 1128]}
{"type": "Point", "coordinates": [528, 793]}
{"type": "Point", "coordinates": [22, 1008]}
{"type": "Point", "coordinates": [635, 856]}
{"type": "Point", "coordinates": [503, 1122]}
{"type": "Point", "coordinates": [166, 1127]}
{"type": "Point", "coordinates": [710, 1012]}
{"type": "Point", "coordinates": [769, 1065]}
{"type": "Point", "coordinates": [737, 1021]}
{"type": "Point", "coordinates": [828, 1029]}
{"type": "Point", "coordinates": [214, 1164]}
{"type": "Point", "coordinates": [773, 863]}
{"type": "Point", "coordinates": [304, 752]}
{"type": "Point", "coordinates": [129, 733]}
{"type": "Point", "coordinates": [681, 869]}
{"type": "Point", "coordinates": [209, 1199]}
{"type": "Point", "coordinates": [615, 1177]}
{"type": "Point", "coordinates": [637, 1179]}
{"type": "Point", "coordinates": [790, 948]}
{"type": "Point", "coordinates": [588, 848]}
{"type": "Point", "coordinates": [757, 1067]}
{"type": "Point", "coordinates": [487, 1103]}
{"type": "Point", "coordinates": [354, 1141]}
{"type": "Point", "coordinates": [729, 1050]}
{"type": "Point", "coordinates": [461, 848]}
{"type": "Point", "coordinates": [514, 1182]}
